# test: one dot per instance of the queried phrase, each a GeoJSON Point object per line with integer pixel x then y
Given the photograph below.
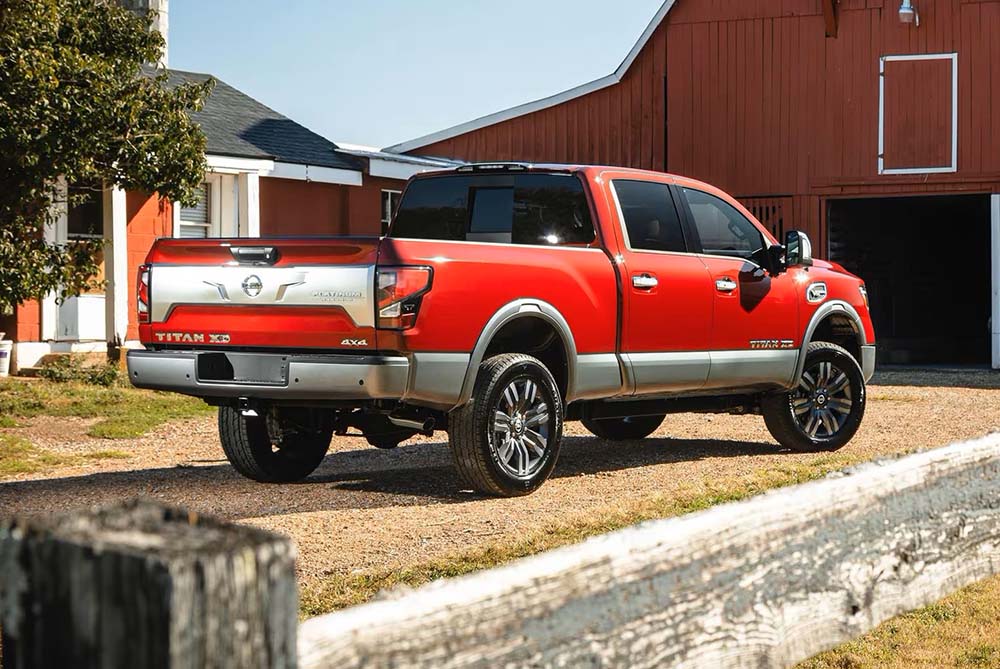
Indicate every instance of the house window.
{"type": "Point", "coordinates": [85, 218]}
{"type": "Point", "coordinates": [390, 201]}
{"type": "Point", "coordinates": [196, 221]}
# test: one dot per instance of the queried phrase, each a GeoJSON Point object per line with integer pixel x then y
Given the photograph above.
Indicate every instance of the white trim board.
{"type": "Point", "coordinates": [326, 175]}
{"type": "Point", "coordinates": [995, 282]}
{"type": "Point", "coordinates": [392, 169]}
{"type": "Point", "coordinates": [229, 163]}
{"type": "Point", "coordinates": [273, 168]}
{"type": "Point", "coordinates": [939, 169]}
{"type": "Point", "coordinates": [544, 103]}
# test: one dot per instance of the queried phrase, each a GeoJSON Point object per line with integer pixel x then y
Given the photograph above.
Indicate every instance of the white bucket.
{"type": "Point", "coordinates": [6, 348]}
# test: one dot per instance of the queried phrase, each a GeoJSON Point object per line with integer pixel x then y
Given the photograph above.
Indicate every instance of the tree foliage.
{"type": "Point", "coordinates": [78, 105]}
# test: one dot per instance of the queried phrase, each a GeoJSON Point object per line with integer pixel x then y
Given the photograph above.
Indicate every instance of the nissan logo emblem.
{"type": "Point", "coordinates": [252, 285]}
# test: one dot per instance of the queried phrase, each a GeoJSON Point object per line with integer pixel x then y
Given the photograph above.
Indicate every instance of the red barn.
{"type": "Point", "coordinates": [874, 128]}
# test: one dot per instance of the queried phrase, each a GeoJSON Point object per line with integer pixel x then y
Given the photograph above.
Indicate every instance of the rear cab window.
{"type": "Point", "coordinates": [535, 208]}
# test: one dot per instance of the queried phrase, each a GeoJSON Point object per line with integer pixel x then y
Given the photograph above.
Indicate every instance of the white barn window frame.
{"type": "Point", "coordinates": [947, 169]}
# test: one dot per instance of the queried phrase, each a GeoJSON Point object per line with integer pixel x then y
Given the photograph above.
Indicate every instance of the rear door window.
{"type": "Point", "coordinates": [651, 219]}
{"type": "Point", "coordinates": [537, 209]}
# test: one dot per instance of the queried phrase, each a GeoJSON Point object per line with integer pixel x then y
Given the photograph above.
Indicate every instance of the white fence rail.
{"type": "Point", "coordinates": [761, 583]}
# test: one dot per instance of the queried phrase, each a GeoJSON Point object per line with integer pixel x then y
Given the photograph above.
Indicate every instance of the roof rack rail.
{"type": "Point", "coordinates": [494, 167]}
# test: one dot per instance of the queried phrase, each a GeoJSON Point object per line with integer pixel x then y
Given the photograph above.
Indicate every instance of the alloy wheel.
{"type": "Point", "coordinates": [822, 403]}
{"type": "Point", "coordinates": [520, 428]}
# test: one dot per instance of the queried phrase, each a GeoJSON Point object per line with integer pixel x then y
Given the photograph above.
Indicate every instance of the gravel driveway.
{"type": "Point", "coordinates": [366, 509]}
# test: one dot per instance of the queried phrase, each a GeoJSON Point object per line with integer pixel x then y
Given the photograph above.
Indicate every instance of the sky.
{"type": "Point", "coordinates": [379, 72]}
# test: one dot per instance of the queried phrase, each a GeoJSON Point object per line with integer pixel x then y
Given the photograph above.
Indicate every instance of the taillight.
{"type": "Point", "coordinates": [400, 290]}
{"type": "Point", "coordinates": [142, 293]}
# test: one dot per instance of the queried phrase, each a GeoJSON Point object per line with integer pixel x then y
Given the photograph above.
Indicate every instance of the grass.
{"type": "Point", "coordinates": [961, 631]}
{"type": "Point", "coordinates": [125, 412]}
{"type": "Point", "coordinates": [19, 456]}
{"type": "Point", "coordinates": [342, 590]}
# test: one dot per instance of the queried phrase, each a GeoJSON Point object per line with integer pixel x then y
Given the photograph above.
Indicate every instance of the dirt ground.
{"type": "Point", "coordinates": [366, 509]}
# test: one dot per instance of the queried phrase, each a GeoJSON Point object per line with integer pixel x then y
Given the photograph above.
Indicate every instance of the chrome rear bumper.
{"type": "Point", "coordinates": [295, 377]}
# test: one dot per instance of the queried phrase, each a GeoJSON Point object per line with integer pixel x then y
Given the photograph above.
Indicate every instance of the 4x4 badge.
{"type": "Point", "coordinates": [354, 342]}
{"type": "Point", "coordinates": [252, 285]}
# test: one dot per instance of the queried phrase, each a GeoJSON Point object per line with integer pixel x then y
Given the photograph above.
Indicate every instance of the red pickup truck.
{"type": "Point", "coordinates": [505, 300]}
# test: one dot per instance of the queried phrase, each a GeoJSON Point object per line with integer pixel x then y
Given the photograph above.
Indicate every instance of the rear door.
{"type": "Point", "coordinates": [668, 295]}
{"type": "Point", "coordinates": [754, 338]}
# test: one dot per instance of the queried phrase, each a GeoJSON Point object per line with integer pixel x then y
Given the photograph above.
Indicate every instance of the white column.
{"type": "Point", "coordinates": [175, 211]}
{"type": "Point", "coordinates": [115, 265]}
{"type": "Point", "coordinates": [55, 233]}
{"type": "Point", "coordinates": [229, 205]}
{"type": "Point", "coordinates": [995, 294]}
{"type": "Point", "coordinates": [161, 23]}
{"type": "Point", "coordinates": [249, 204]}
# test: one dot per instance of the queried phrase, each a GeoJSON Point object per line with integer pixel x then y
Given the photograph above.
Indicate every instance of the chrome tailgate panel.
{"type": "Point", "coordinates": [350, 287]}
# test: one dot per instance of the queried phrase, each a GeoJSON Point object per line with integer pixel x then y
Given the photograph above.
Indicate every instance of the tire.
{"type": "Point", "coordinates": [623, 429]}
{"type": "Point", "coordinates": [503, 404]}
{"type": "Point", "coordinates": [824, 412]}
{"type": "Point", "coordinates": [256, 454]}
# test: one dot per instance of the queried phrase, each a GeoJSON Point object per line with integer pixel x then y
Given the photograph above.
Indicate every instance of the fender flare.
{"type": "Point", "coordinates": [521, 308]}
{"type": "Point", "coordinates": [825, 310]}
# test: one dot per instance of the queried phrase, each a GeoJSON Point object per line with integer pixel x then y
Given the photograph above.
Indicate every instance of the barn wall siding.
{"type": "Point", "coordinates": [761, 103]}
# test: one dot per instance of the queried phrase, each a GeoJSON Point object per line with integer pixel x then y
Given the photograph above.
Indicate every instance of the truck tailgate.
{"type": "Point", "coordinates": [275, 293]}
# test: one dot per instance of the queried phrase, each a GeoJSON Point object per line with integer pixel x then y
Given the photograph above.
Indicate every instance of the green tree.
{"type": "Point", "coordinates": [78, 103]}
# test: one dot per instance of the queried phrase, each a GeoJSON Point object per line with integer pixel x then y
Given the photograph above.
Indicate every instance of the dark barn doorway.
{"type": "Point", "coordinates": [926, 263]}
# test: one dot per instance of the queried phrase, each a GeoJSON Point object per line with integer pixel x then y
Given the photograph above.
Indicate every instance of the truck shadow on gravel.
{"type": "Point", "coordinates": [413, 475]}
{"type": "Point", "coordinates": [579, 456]}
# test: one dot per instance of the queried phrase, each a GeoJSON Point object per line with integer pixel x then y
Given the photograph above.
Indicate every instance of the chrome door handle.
{"type": "Point", "coordinates": [645, 281]}
{"type": "Point", "coordinates": [725, 285]}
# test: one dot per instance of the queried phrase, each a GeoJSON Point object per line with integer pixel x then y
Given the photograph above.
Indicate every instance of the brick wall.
{"type": "Point", "coordinates": [148, 218]}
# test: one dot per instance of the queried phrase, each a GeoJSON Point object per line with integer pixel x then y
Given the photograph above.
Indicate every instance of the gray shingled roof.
{"type": "Point", "coordinates": [237, 125]}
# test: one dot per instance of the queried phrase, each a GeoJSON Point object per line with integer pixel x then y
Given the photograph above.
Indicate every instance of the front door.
{"type": "Point", "coordinates": [668, 303]}
{"type": "Point", "coordinates": [755, 332]}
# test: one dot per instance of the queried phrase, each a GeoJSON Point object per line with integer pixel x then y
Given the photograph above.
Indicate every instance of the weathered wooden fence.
{"type": "Point", "coordinates": [766, 582]}
{"type": "Point", "coordinates": [141, 585]}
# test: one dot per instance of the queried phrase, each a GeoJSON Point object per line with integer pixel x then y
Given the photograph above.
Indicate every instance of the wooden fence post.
{"type": "Point", "coordinates": [141, 585]}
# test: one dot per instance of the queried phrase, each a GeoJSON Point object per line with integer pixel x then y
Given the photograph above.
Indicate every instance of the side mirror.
{"type": "Point", "coordinates": [798, 249]}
